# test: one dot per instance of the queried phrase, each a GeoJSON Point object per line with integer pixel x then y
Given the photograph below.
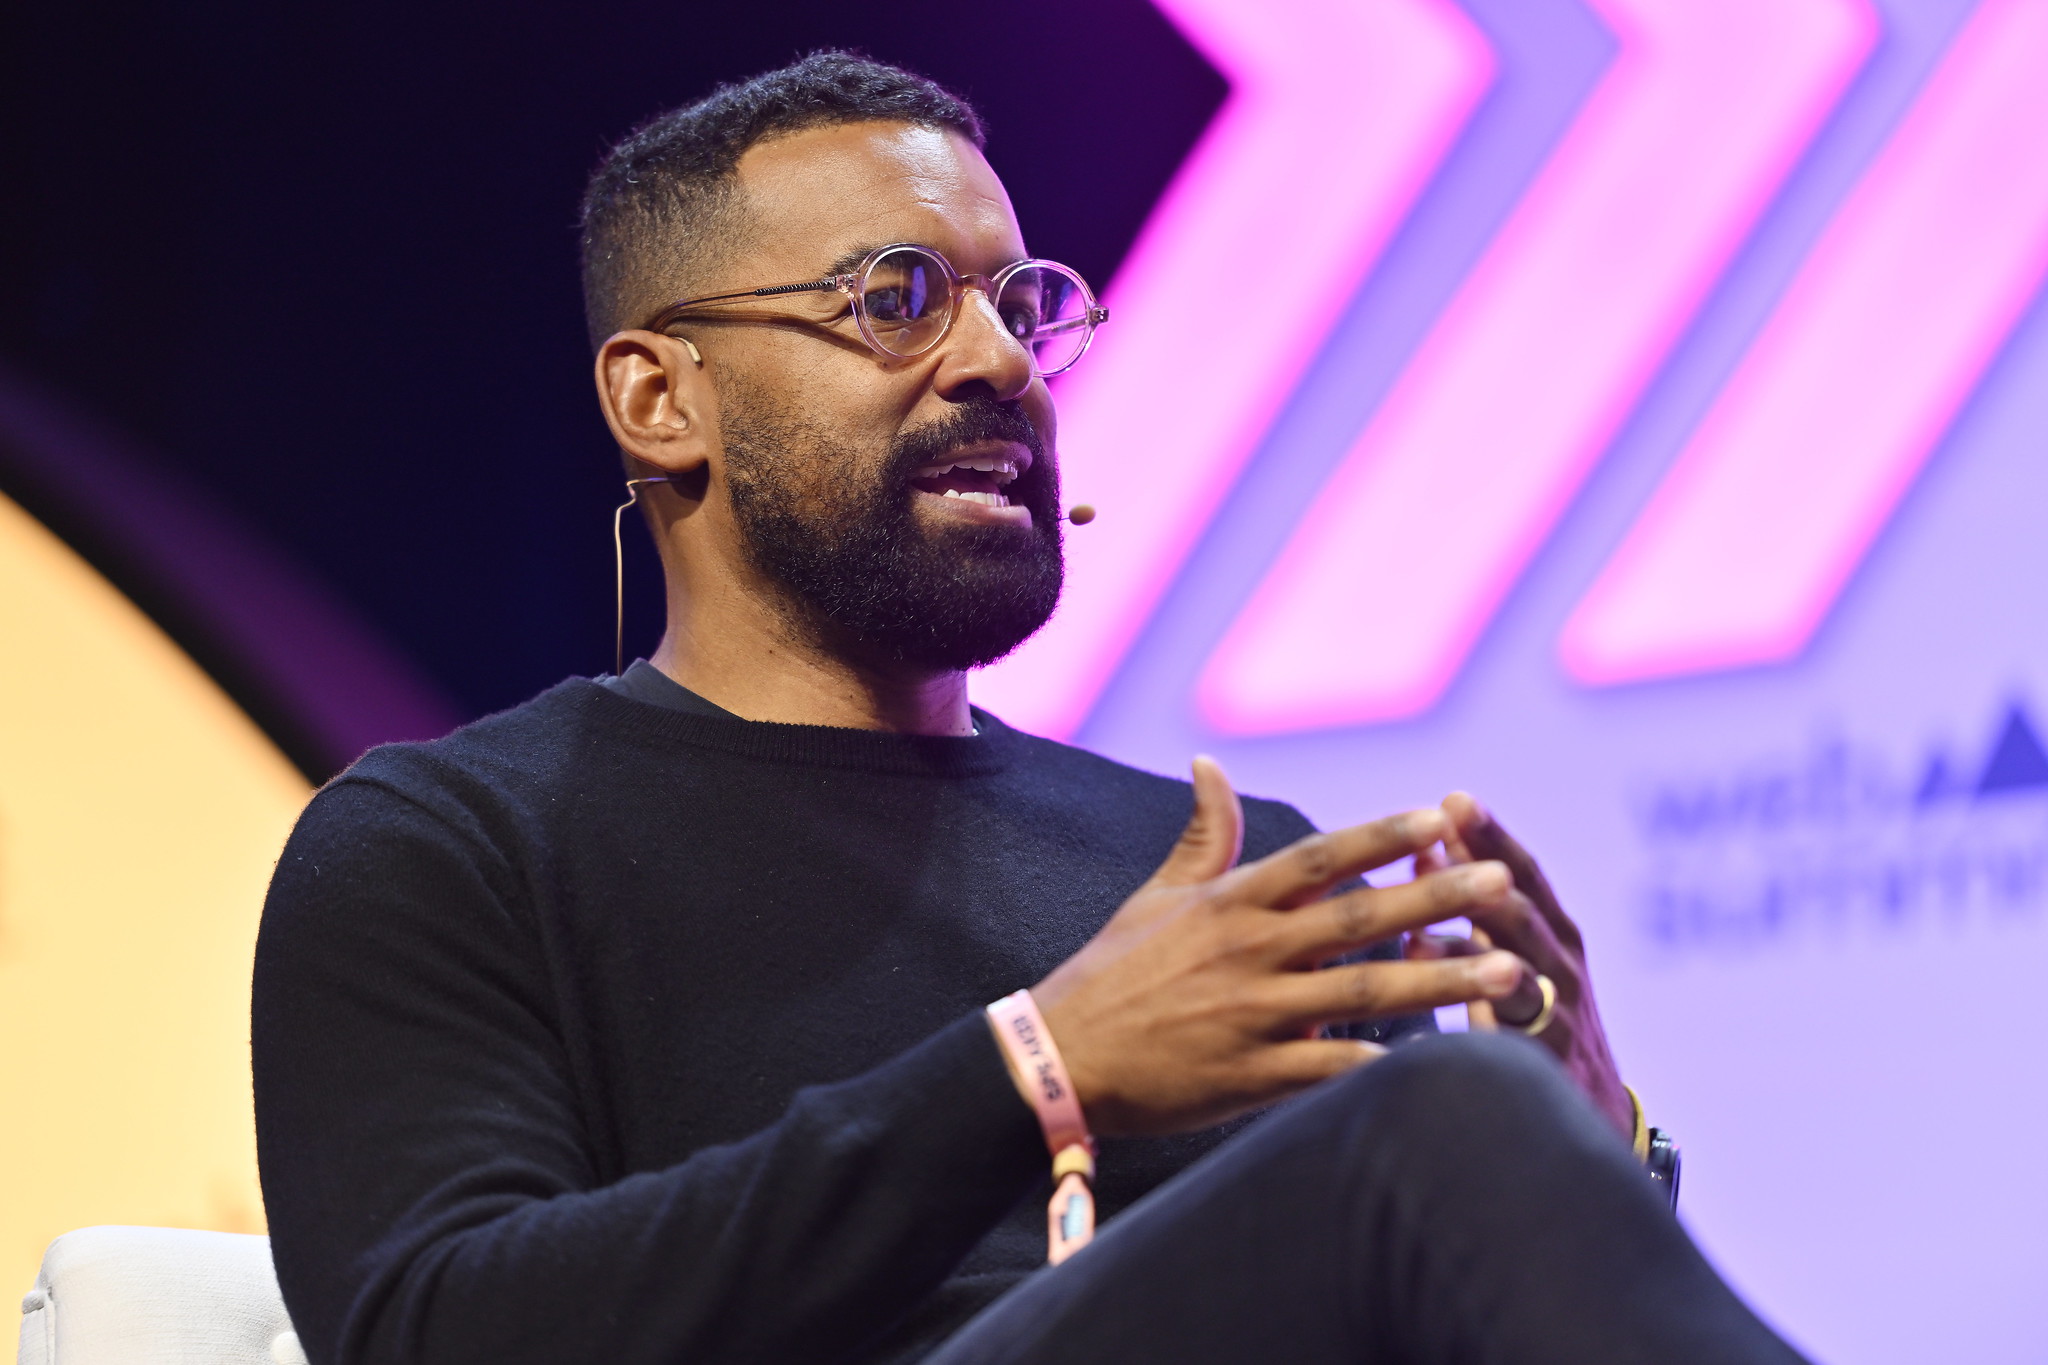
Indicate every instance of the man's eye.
{"type": "Point", "coordinates": [1022, 322]}
{"type": "Point", "coordinates": [900, 296]}
{"type": "Point", "coordinates": [886, 305]}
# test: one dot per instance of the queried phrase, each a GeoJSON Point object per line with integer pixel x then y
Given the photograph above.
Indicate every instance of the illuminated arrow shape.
{"type": "Point", "coordinates": [1372, 608]}
{"type": "Point", "coordinates": [1339, 112]}
{"type": "Point", "coordinates": [1884, 333]}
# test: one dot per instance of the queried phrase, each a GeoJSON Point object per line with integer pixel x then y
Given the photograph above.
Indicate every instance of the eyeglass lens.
{"type": "Point", "coordinates": [907, 300]}
{"type": "Point", "coordinates": [1047, 309]}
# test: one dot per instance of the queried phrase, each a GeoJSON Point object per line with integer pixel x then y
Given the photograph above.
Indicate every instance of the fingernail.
{"type": "Point", "coordinates": [1480, 815]}
{"type": "Point", "coordinates": [1499, 973]}
{"type": "Point", "coordinates": [1483, 880]}
{"type": "Point", "coordinates": [1426, 824]}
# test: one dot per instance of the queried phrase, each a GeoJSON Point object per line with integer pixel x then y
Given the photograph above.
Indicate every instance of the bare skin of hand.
{"type": "Point", "coordinates": [1201, 998]}
{"type": "Point", "coordinates": [1530, 923]}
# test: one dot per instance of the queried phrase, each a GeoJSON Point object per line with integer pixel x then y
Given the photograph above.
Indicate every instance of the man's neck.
{"type": "Point", "coordinates": [755, 670]}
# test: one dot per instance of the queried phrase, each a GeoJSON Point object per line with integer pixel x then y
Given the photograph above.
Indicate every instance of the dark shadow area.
{"type": "Point", "coordinates": [320, 681]}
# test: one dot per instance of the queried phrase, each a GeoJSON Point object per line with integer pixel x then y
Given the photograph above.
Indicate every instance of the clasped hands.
{"type": "Point", "coordinates": [1207, 993]}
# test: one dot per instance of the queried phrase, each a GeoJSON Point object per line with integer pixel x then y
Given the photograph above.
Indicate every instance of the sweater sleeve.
{"type": "Point", "coordinates": [431, 1188]}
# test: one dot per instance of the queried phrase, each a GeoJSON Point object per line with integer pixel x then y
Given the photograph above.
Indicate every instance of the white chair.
{"type": "Point", "coordinates": [156, 1296]}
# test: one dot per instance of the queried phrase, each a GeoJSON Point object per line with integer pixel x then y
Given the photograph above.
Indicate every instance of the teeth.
{"type": "Point", "coordinates": [985, 499]}
{"type": "Point", "coordinates": [1004, 470]}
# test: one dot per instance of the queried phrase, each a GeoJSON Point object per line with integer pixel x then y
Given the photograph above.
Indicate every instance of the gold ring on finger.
{"type": "Point", "coordinates": [1549, 1010]}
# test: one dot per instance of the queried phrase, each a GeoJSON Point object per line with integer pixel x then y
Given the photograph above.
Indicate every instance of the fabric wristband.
{"type": "Point", "coordinates": [1070, 1217]}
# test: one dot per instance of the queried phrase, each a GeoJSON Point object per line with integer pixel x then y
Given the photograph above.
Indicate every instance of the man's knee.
{"type": "Point", "coordinates": [1473, 1074]}
{"type": "Point", "coordinates": [1451, 1092]}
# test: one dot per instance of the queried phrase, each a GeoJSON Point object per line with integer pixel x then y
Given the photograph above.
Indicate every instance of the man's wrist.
{"type": "Point", "coordinates": [1655, 1149]}
{"type": "Point", "coordinates": [1009, 1062]}
{"type": "Point", "coordinates": [1035, 1061]}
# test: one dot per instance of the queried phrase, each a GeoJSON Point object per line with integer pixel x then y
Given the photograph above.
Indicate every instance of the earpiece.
{"type": "Point", "coordinates": [1081, 513]}
{"type": "Point", "coordinates": [691, 347]}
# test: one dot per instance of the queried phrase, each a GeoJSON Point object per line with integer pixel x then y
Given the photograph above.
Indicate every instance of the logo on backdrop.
{"type": "Point", "coordinates": [1849, 836]}
{"type": "Point", "coordinates": [1692, 132]}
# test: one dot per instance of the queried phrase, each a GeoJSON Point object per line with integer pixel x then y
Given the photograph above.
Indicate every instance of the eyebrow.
{"type": "Point", "coordinates": [848, 260]}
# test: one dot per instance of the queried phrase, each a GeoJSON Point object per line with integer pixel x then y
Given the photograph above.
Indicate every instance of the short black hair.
{"type": "Point", "coordinates": [660, 202]}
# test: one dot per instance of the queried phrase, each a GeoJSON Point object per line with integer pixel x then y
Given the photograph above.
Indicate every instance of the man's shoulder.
{"type": "Point", "coordinates": [1269, 824]}
{"type": "Point", "coordinates": [523, 754]}
{"type": "Point", "coordinates": [518, 739]}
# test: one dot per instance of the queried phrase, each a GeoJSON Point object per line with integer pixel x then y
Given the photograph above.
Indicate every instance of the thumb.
{"type": "Point", "coordinates": [1214, 836]}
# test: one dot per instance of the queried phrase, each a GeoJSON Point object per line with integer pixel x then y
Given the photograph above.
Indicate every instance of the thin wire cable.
{"type": "Point", "coordinates": [619, 572]}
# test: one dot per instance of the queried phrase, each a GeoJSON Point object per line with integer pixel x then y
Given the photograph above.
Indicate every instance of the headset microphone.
{"type": "Point", "coordinates": [1081, 513]}
{"type": "Point", "coordinates": [633, 487]}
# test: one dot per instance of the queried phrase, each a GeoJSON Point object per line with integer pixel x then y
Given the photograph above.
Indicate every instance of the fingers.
{"type": "Point", "coordinates": [1214, 836]}
{"type": "Point", "coordinates": [1373, 913]}
{"type": "Point", "coordinates": [1478, 831]}
{"type": "Point", "coordinates": [1518, 927]}
{"type": "Point", "coordinates": [1455, 848]}
{"type": "Point", "coordinates": [1514, 922]}
{"type": "Point", "coordinates": [1518, 1007]}
{"type": "Point", "coordinates": [1430, 947]}
{"type": "Point", "coordinates": [1479, 1013]}
{"type": "Point", "coordinates": [1305, 1062]}
{"type": "Point", "coordinates": [1372, 990]}
{"type": "Point", "coordinates": [1521, 1005]}
{"type": "Point", "coordinates": [1307, 868]}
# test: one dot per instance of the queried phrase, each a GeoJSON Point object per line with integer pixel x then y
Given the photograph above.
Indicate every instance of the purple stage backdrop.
{"type": "Point", "coordinates": [1635, 412]}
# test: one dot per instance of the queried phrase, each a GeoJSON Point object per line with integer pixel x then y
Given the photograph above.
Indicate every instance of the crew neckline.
{"type": "Point", "coordinates": [643, 682]}
{"type": "Point", "coordinates": [992, 748]}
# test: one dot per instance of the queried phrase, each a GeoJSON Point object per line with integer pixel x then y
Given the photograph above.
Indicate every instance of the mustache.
{"type": "Point", "coordinates": [976, 419]}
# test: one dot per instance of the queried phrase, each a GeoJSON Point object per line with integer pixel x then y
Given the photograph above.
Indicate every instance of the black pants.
{"type": "Point", "coordinates": [1454, 1201]}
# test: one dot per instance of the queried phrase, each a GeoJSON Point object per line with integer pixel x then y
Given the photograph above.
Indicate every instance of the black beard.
{"type": "Point", "coordinates": [842, 542]}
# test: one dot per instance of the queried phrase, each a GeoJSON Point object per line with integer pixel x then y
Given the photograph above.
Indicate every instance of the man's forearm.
{"type": "Point", "coordinates": [792, 1244]}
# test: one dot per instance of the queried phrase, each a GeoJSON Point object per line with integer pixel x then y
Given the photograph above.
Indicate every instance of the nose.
{"type": "Point", "coordinates": [978, 354]}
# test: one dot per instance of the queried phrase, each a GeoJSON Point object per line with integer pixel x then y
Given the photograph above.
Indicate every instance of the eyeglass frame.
{"type": "Point", "coordinates": [989, 286]}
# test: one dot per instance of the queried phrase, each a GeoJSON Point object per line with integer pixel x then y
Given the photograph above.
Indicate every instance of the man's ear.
{"type": "Point", "coordinates": [657, 399]}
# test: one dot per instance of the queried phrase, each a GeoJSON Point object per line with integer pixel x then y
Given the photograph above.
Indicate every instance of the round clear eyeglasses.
{"type": "Point", "coordinates": [904, 298]}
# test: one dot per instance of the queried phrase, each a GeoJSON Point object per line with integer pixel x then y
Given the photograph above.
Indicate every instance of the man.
{"type": "Point", "coordinates": [644, 1022]}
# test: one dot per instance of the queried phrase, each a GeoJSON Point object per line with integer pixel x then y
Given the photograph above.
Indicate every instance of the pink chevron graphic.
{"type": "Point", "coordinates": [1456, 481]}
{"type": "Point", "coordinates": [1886, 331]}
{"type": "Point", "coordinates": [1339, 112]}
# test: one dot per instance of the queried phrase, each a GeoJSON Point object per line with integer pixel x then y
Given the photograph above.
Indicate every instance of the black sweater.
{"type": "Point", "coordinates": [604, 1032]}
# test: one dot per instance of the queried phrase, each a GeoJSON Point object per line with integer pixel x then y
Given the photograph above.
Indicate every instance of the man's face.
{"type": "Point", "coordinates": [845, 470]}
